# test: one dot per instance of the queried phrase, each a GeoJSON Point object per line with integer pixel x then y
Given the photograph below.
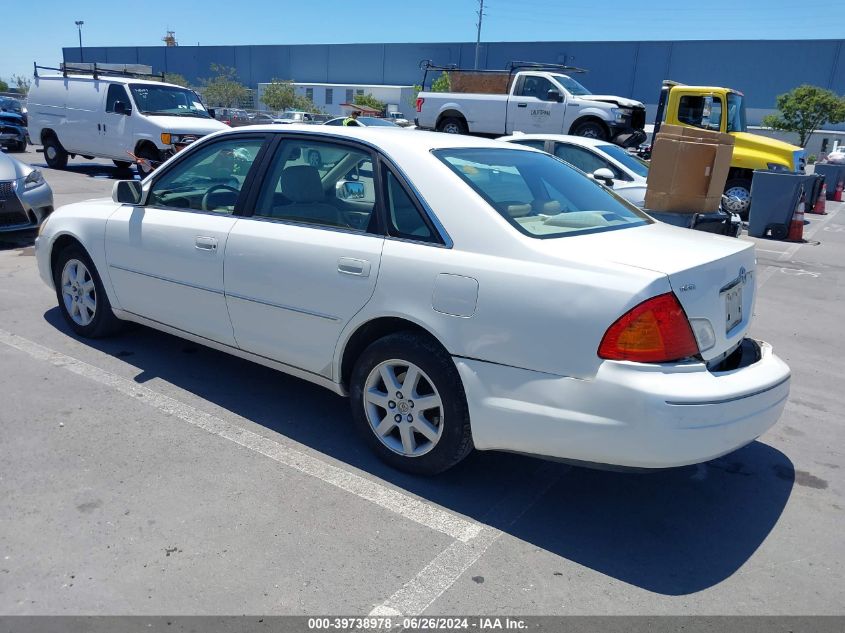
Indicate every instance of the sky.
{"type": "Point", "coordinates": [210, 22]}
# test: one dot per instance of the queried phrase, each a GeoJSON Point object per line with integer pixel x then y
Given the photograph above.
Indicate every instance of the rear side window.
{"type": "Point", "coordinates": [404, 219]}
{"type": "Point", "coordinates": [539, 195]}
{"type": "Point", "coordinates": [116, 93]}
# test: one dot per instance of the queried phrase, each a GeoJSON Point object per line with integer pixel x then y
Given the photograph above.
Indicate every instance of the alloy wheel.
{"type": "Point", "coordinates": [403, 407]}
{"type": "Point", "coordinates": [739, 199]}
{"type": "Point", "coordinates": [78, 292]}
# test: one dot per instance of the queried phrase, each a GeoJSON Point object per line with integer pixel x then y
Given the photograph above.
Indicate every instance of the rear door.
{"type": "Point", "coordinates": [531, 111]}
{"type": "Point", "coordinates": [307, 259]}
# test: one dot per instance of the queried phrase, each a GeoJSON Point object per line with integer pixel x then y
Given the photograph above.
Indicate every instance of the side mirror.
{"type": "Point", "coordinates": [349, 190]}
{"type": "Point", "coordinates": [212, 113]}
{"type": "Point", "coordinates": [605, 175]}
{"type": "Point", "coordinates": [120, 108]}
{"type": "Point", "coordinates": [126, 192]}
{"type": "Point", "coordinates": [554, 95]}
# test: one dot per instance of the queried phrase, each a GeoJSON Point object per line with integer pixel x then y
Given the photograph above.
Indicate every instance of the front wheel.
{"type": "Point", "coordinates": [738, 191]}
{"type": "Point", "coordinates": [82, 298]}
{"type": "Point", "coordinates": [408, 402]}
{"type": "Point", "coordinates": [122, 164]}
{"type": "Point", "coordinates": [591, 129]}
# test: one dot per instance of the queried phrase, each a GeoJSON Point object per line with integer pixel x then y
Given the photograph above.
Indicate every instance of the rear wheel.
{"type": "Point", "coordinates": [452, 125]}
{"type": "Point", "coordinates": [738, 191]}
{"type": "Point", "coordinates": [408, 402]}
{"type": "Point", "coordinates": [82, 299]}
{"type": "Point", "coordinates": [591, 129]}
{"type": "Point", "coordinates": [54, 153]}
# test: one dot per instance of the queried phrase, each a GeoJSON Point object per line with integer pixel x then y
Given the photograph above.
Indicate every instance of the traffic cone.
{"type": "Point", "coordinates": [819, 209]}
{"type": "Point", "coordinates": [837, 195]}
{"type": "Point", "coordinates": [796, 227]}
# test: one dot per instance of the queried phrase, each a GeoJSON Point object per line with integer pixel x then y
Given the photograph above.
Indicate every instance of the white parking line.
{"type": "Point", "coordinates": [415, 596]}
{"type": "Point", "coordinates": [405, 506]}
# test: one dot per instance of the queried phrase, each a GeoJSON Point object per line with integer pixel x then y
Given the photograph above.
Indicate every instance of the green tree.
{"type": "Point", "coordinates": [4, 87]}
{"type": "Point", "coordinates": [415, 92]}
{"type": "Point", "coordinates": [442, 84]}
{"type": "Point", "coordinates": [223, 90]}
{"type": "Point", "coordinates": [369, 101]}
{"type": "Point", "coordinates": [804, 110]}
{"type": "Point", "coordinates": [22, 83]}
{"type": "Point", "coordinates": [280, 95]}
{"type": "Point", "coordinates": [176, 78]}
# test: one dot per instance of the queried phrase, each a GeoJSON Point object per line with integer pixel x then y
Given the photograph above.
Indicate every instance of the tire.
{"type": "Point", "coordinates": [738, 188]}
{"type": "Point", "coordinates": [590, 129]}
{"type": "Point", "coordinates": [448, 436]}
{"type": "Point", "coordinates": [452, 125]}
{"type": "Point", "coordinates": [122, 164]}
{"type": "Point", "coordinates": [76, 280]}
{"type": "Point", "coordinates": [54, 153]}
{"type": "Point", "coordinates": [150, 154]}
{"type": "Point", "coordinates": [21, 147]}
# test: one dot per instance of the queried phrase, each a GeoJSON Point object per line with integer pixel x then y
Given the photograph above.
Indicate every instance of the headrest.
{"type": "Point", "coordinates": [518, 210]}
{"type": "Point", "coordinates": [301, 183]}
{"type": "Point", "coordinates": [550, 207]}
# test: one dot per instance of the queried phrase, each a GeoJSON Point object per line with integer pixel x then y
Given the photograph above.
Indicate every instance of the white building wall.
{"type": "Point", "coordinates": [397, 98]}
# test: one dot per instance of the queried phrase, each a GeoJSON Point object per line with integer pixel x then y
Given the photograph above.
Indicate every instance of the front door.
{"type": "Point", "coordinates": [116, 127]}
{"type": "Point", "coordinates": [307, 260]}
{"type": "Point", "coordinates": [531, 111]}
{"type": "Point", "coordinates": [165, 258]}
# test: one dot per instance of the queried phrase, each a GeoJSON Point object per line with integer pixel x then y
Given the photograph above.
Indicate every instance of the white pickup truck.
{"type": "Point", "coordinates": [529, 101]}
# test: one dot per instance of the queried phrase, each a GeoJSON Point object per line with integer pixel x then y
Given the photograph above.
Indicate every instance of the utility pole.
{"type": "Point", "coordinates": [79, 24]}
{"type": "Point", "coordinates": [480, 14]}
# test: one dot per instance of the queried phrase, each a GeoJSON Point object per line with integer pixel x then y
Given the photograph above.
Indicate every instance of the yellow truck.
{"type": "Point", "coordinates": [723, 110]}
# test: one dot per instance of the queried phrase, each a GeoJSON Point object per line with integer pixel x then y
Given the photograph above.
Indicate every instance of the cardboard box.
{"type": "Point", "coordinates": [688, 171]}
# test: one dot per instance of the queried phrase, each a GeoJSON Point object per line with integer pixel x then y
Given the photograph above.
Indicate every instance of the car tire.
{"type": "Point", "coordinates": [452, 125]}
{"type": "Point", "coordinates": [739, 188]}
{"type": "Point", "coordinates": [151, 155]}
{"type": "Point", "coordinates": [122, 164]}
{"type": "Point", "coordinates": [421, 441]}
{"type": "Point", "coordinates": [591, 129]}
{"type": "Point", "coordinates": [54, 153]}
{"type": "Point", "coordinates": [81, 296]}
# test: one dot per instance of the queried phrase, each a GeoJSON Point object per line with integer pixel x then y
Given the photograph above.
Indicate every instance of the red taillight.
{"type": "Point", "coordinates": [229, 123]}
{"type": "Point", "coordinates": [655, 331]}
{"type": "Point", "coordinates": [420, 101]}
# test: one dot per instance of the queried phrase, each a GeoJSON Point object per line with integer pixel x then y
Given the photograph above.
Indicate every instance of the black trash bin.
{"type": "Point", "coordinates": [833, 176]}
{"type": "Point", "coordinates": [774, 196]}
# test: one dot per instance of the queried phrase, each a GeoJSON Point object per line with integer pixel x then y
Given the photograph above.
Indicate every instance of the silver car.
{"type": "Point", "coordinates": [25, 197]}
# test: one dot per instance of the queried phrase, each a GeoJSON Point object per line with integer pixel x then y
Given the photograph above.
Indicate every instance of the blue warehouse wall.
{"type": "Point", "coordinates": [761, 69]}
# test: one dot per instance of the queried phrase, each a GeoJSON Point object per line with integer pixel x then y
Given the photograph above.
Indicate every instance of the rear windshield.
{"type": "Point", "coordinates": [538, 194]}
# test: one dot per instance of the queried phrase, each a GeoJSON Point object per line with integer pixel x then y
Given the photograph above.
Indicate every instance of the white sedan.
{"type": "Point", "coordinates": [463, 292]}
{"type": "Point", "coordinates": [624, 173]}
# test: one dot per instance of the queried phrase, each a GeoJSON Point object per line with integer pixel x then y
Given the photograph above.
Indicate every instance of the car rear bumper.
{"type": "Point", "coordinates": [630, 414]}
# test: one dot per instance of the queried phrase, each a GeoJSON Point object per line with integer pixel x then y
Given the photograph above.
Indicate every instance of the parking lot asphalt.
{"type": "Point", "coordinates": [143, 474]}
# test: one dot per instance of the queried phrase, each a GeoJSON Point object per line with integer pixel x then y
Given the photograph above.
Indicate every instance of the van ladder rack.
{"type": "Point", "coordinates": [427, 65]}
{"type": "Point", "coordinates": [94, 71]}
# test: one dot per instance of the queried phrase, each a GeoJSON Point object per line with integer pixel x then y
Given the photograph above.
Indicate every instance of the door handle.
{"type": "Point", "coordinates": [206, 243]}
{"type": "Point", "coordinates": [521, 105]}
{"type": "Point", "coordinates": [98, 127]}
{"type": "Point", "coordinates": [352, 266]}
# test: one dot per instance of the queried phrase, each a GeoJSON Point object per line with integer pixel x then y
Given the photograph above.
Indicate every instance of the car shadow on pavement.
{"type": "Point", "coordinates": [95, 170]}
{"type": "Point", "coordinates": [17, 239]}
{"type": "Point", "coordinates": [672, 532]}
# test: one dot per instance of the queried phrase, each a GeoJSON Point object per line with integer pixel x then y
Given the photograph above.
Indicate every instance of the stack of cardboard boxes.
{"type": "Point", "coordinates": [689, 168]}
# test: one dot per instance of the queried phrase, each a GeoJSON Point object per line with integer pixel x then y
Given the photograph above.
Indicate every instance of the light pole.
{"type": "Point", "coordinates": [480, 14]}
{"type": "Point", "coordinates": [79, 24]}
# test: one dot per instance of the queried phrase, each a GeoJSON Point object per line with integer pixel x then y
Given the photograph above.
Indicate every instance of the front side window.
{"type": "Point", "coordinates": [538, 195]}
{"type": "Point", "coordinates": [692, 110]}
{"type": "Point", "coordinates": [324, 184]}
{"type": "Point", "coordinates": [167, 101]}
{"type": "Point", "coordinates": [208, 179]}
{"type": "Point", "coordinates": [736, 113]}
{"type": "Point", "coordinates": [536, 87]}
{"type": "Point", "coordinates": [584, 159]}
{"type": "Point", "coordinates": [116, 93]}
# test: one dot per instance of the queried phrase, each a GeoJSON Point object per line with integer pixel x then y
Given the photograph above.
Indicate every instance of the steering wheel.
{"type": "Point", "coordinates": [215, 189]}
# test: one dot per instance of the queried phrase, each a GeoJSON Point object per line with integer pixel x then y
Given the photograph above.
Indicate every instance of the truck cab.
{"type": "Point", "coordinates": [723, 110]}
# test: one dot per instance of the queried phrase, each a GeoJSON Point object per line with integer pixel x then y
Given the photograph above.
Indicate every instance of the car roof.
{"type": "Point", "coordinates": [387, 138]}
{"type": "Point", "coordinates": [563, 138]}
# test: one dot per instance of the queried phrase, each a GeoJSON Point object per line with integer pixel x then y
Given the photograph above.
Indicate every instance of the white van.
{"type": "Point", "coordinates": [97, 115]}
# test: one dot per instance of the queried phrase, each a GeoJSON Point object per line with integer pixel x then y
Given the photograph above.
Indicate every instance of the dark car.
{"type": "Point", "coordinates": [10, 104]}
{"type": "Point", "coordinates": [261, 118]}
{"type": "Point", "coordinates": [12, 131]}
{"type": "Point", "coordinates": [233, 117]}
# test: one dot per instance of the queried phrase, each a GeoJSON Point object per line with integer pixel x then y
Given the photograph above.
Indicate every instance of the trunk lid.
{"type": "Point", "coordinates": [714, 277]}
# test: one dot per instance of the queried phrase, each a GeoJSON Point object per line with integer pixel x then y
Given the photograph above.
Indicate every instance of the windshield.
{"type": "Point", "coordinates": [12, 105]}
{"type": "Point", "coordinates": [539, 195]}
{"type": "Point", "coordinates": [736, 112]}
{"type": "Point", "coordinates": [572, 86]}
{"type": "Point", "coordinates": [633, 163]}
{"type": "Point", "coordinates": [167, 100]}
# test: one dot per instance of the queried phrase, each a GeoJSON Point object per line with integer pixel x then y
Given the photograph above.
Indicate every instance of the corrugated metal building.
{"type": "Point", "coordinates": [762, 69]}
